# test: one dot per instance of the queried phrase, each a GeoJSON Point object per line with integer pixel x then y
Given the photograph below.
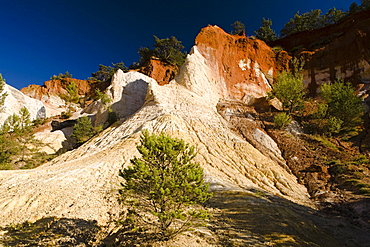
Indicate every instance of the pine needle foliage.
{"type": "Point", "coordinates": [342, 103]}
{"type": "Point", "coordinates": [265, 32]}
{"type": "Point", "coordinates": [164, 183]}
{"type": "Point", "coordinates": [237, 28]}
{"type": "Point", "coordinates": [168, 50]}
{"type": "Point", "coordinates": [83, 130]}
{"type": "Point", "coordinates": [72, 93]}
{"type": "Point", "coordinates": [103, 97]}
{"type": "Point", "coordinates": [2, 93]}
{"type": "Point", "coordinates": [105, 73]}
{"type": "Point", "coordinates": [290, 90]}
{"type": "Point", "coordinates": [18, 145]}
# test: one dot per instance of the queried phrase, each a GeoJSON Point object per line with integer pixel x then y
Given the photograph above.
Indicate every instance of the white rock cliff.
{"type": "Point", "coordinates": [83, 183]}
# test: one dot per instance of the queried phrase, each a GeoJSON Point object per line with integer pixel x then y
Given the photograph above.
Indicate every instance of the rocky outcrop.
{"type": "Point", "coordinates": [83, 183]}
{"type": "Point", "coordinates": [242, 68]}
{"type": "Point", "coordinates": [340, 50]}
{"type": "Point", "coordinates": [160, 71]}
{"type": "Point", "coordinates": [16, 100]}
{"type": "Point", "coordinates": [54, 88]}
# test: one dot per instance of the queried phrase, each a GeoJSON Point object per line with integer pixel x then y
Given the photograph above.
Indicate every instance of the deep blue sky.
{"type": "Point", "coordinates": [40, 38]}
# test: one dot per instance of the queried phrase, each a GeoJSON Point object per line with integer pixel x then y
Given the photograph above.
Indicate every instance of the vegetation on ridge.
{"type": "Point", "coordinates": [168, 50]}
{"type": "Point", "coordinates": [61, 76]}
{"type": "Point", "coordinates": [105, 73]}
{"type": "Point", "coordinates": [265, 32]}
{"type": "Point", "coordinates": [237, 28]}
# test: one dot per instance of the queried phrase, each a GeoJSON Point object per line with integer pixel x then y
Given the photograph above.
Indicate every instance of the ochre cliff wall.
{"type": "Point", "coordinates": [340, 50]}
{"type": "Point", "coordinates": [57, 87]}
{"type": "Point", "coordinates": [245, 65]}
{"type": "Point", "coordinates": [160, 71]}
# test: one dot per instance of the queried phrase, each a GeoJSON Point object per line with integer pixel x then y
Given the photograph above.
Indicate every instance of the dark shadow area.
{"type": "Point", "coordinates": [252, 218]}
{"type": "Point", "coordinates": [60, 125]}
{"type": "Point", "coordinates": [261, 219]}
{"type": "Point", "coordinates": [51, 232]}
{"type": "Point", "coordinates": [126, 237]}
{"type": "Point", "coordinates": [356, 213]}
{"type": "Point", "coordinates": [133, 98]}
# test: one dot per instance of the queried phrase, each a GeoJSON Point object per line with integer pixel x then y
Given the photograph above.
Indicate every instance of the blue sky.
{"type": "Point", "coordinates": [41, 38]}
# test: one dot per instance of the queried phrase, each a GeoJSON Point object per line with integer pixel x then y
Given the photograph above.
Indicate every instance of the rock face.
{"type": "Point", "coordinates": [340, 50]}
{"type": "Point", "coordinates": [17, 100]}
{"type": "Point", "coordinates": [160, 71]}
{"type": "Point", "coordinates": [54, 88]}
{"type": "Point", "coordinates": [83, 183]}
{"type": "Point", "coordinates": [50, 92]}
{"type": "Point", "coordinates": [242, 68]}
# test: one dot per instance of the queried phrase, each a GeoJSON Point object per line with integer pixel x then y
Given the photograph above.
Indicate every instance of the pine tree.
{"type": "Point", "coordinates": [168, 50]}
{"type": "Point", "coordinates": [103, 97]}
{"type": "Point", "coordinates": [164, 182]}
{"type": "Point", "coordinates": [83, 130]}
{"type": "Point", "coordinates": [342, 103]}
{"type": "Point", "coordinates": [72, 93]}
{"type": "Point", "coordinates": [2, 93]}
{"type": "Point", "coordinates": [290, 90]}
{"type": "Point", "coordinates": [105, 73]}
{"type": "Point", "coordinates": [238, 28]}
{"type": "Point", "coordinates": [265, 32]}
{"type": "Point", "coordinates": [18, 145]}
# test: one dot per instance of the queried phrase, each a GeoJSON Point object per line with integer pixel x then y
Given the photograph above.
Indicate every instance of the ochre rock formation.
{"type": "Point", "coordinates": [160, 71]}
{"type": "Point", "coordinates": [340, 50]}
{"type": "Point", "coordinates": [58, 87]}
{"type": "Point", "coordinates": [245, 66]}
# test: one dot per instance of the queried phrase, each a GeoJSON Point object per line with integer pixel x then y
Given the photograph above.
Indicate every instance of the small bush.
{"type": "Point", "coordinates": [282, 120]}
{"type": "Point", "coordinates": [66, 114]}
{"type": "Point", "coordinates": [83, 130]}
{"type": "Point", "coordinates": [61, 76]}
{"type": "Point", "coordinates": [112, 116]}
{"type": "Point", "coordinates": [343, 104]}
{"type": "Point", "coordinates": [163, 186]}
{"type": "Point", "coordinates": [102, 96]}
{"type": "Point", "coordinates": [290, 90]}
{"type": "Point", "coordinates": [325, 142]}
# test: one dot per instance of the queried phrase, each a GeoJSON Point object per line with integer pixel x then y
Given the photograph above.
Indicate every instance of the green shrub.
{"type": "Point", "coordinates": [161, 186]}
{"type": "Point", "coordinates": [168, 50]}
{"type": "Point", "coordinates": [61, 76]}
{"type": "Point", "coordinates": [282, 120]}
{"type": "Point", "coordinates": [2, 93]}
{"type": "Point", "coordinates": [333, 125]}
{"type": "Point", "coordinates": [325, 142]}
{"type": "Point", "coordinates": [18, 145]}
{"type": "Point", "coordinates": [104, 98]}
{"type": "Point", "coordinates": [265, 32]}
{"type": "Point", "coordinates": [83, 130]}
{"type": "Point", "coordinates": [105, 73]}
{"type": "Point", "coordinates": [237, 28]}
{"type": "Point", "coordinates": [72, 93]}
{"type": "Point", "coordinates": [342, 104]}
{"type": "Point", "coordinates": [290, 90]}
{"type": "Point", "coordinates": [112, 116]}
